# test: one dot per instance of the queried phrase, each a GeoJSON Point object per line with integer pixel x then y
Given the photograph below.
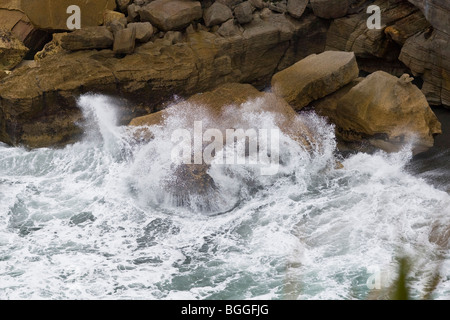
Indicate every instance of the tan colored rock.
{"type": "Point", "coordinates": [149, 77]}
{"type": "Point", "coordinates": [169, 15]}
{"type": "Point", "coordinates": [315, 77]}
{"type": "Point", "coordinates": [14, 20]}
{"type": "Point", "coordinates": [110, 15]}
{"type": "Point", "coordinates": [407, 27]}
{"type": "Point", "coordinates": [12, 51]}
{"type": "Point", "coordinates": [52, 15]}
{"type": "Point", "coordinates": [88, 38]}
{"type": "Point", "coordinates": [51, 48]}
{"type": "Point", "coordinates": [388, 112]}
{"type": "Point", "coordinates": [124, 41]}
{"type": "Point", "coordinates": [144, 31]}
{"type": "Point", "coordinates": [351, 33]}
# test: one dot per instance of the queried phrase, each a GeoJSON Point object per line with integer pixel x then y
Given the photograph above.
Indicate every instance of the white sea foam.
{"type": "Point", "coordinates": [93, 220]}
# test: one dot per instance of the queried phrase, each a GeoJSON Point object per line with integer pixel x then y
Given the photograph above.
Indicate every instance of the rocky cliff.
{"type": "Point", "coordinates": [147, 51]}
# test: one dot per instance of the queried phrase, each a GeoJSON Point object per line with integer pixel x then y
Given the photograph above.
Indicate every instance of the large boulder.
{"type": "Point", "coordinates": [44, 112]}
{"type": "Point", "coordinates": [88, 38]}
{"type": "Point", "coordinates": [217, 14]}
{"type": "Point", "coordinates": [12, 51]}
{"type": "Point", "coordinates": [315, 77]}
{"type": "Point", "coordinates": [171, 14]}
{"type": "Point", "coordinates": [388, 112]}
{"type": "Point", "coordinates": [52, 15]}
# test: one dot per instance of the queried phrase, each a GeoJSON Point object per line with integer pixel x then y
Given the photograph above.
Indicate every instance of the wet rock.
{"type": "Point", "coordinates": [82, 218]}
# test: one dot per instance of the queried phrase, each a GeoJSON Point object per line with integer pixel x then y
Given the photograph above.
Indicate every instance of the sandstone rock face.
{"type": "Point", "coordinates": [171, 14]}
{"type": "Point", "coordinates": [52, 15]}
{"type": "Point", "coordinates": [437, 13]}
{"type": "Point", "coordinates": [351, 33]}
{"type": "Point", "coordinates": [296, 8]}
{"type": "Point", "coordinates": [217, 14]}
{"type": "Point", "coordinates": [44, 112]}
{"type": "Point", "coordinates": [51, 48]}
{"type": "Point", "coordinates": [330, 9]}
{"type": "Point", "coordinates": [12, 51]}
{"type": "Point", "coordinates": [428, 55]}
{"type": "Point", "coordinates": [88, 38]}
{"type": "Point", "coordinates": [387, 111]}
{"type": "Point", "coordinates": [14, 20]}
{"type": "Point", "coordinates": [124, 41]}
{"type": "Point", "coordinates": [315, 77]}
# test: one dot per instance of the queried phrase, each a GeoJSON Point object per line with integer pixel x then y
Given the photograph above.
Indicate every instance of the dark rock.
{"type": "Point", "coordinates": [244, 12]}
{"type": "Point", "coordinates": [124, 41]}
{"type": "Point", "coordinates": [144, 31]}
{"type": "Point", "coordinates": [217, 14]}
{"type": "Point", "coordinates": [296, 8]}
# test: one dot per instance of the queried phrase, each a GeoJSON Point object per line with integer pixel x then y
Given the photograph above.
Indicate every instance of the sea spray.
{"type": "Point", "coordinates": [92, 221]}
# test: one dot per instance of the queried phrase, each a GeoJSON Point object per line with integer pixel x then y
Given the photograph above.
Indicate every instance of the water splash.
{"type": "Point", "coordinates": [92, 221]}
